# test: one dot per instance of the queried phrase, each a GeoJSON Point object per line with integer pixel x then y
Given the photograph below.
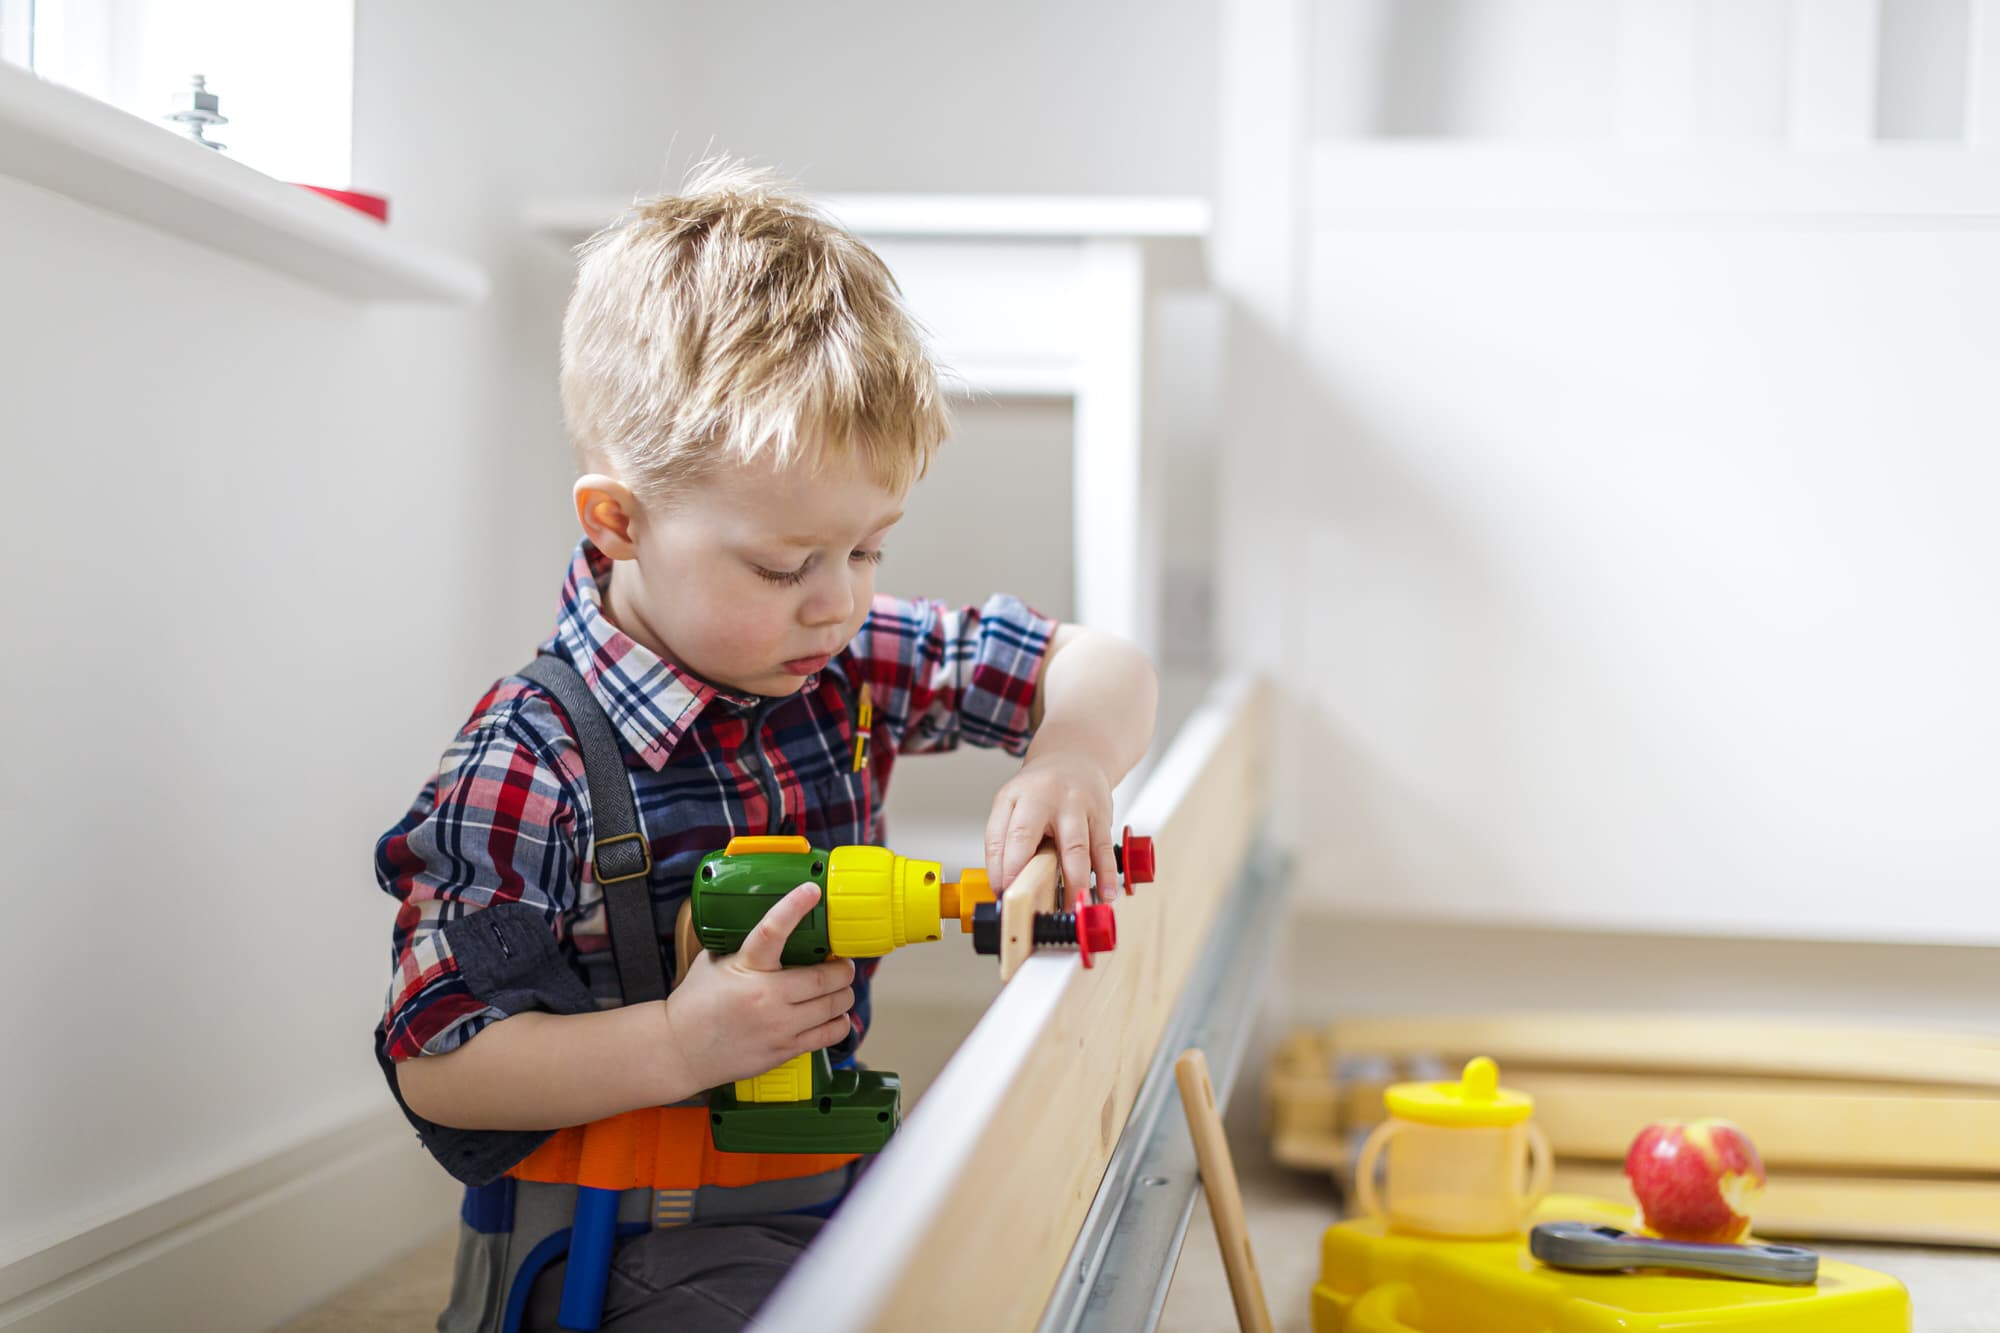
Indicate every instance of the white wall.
{"type": "Point", "coordinates": [237, 511]}
{"type": "Point", "coordinates": [1649, 581]}
{"type": "Point", "coordinates": [1635, 549]}
{"type": "Point", "coordinates": [264, 548]}
{"type": "Point", "coordinates": [1570, 71]}
{"type": "Point", "coordinates": [225, 529]}
{"type": "Point", "coordinates": [1109, 97]}
{"type": "Point", "coordinates": [619, 98]}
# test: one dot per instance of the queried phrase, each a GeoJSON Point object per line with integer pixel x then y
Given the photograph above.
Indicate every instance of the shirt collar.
{"type": "Point", "coordinates": [651, 702]}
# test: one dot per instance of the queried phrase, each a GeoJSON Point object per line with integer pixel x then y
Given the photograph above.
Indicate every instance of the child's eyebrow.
{"type": "Point", "coordinates": [815, 542]}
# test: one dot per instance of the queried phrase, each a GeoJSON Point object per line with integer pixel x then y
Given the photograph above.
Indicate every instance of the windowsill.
{"type": "Point", "coordinates": [61, 140]}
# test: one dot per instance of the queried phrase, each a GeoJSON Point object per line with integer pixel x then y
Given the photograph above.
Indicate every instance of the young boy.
{"type": "Point", "coordinates": [749, 405]}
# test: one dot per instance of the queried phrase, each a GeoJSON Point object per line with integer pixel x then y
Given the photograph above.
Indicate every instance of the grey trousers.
{"type": "Point", "coordinates": [706, 1277]}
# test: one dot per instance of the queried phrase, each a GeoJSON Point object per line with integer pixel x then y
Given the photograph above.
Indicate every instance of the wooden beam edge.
{"type": "Point", "coordinates": [911, 1233]}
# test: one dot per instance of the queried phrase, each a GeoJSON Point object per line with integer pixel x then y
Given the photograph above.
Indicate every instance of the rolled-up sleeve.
{"type": "Point", "coordinates": [485, 865]}
{"type": "Point", "coordinates": [941, 674]}
{"type": "Point", "coordinates": [497, 826]}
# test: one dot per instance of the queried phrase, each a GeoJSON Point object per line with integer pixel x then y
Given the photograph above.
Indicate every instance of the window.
{"type": "Point", "coordinates": [284, 72]}
{"type": "Point", "coordinates": [17, 32]}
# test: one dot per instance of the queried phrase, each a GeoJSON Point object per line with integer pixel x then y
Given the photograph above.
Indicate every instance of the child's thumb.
{"type": "Point", "coordinates": [763, 948]}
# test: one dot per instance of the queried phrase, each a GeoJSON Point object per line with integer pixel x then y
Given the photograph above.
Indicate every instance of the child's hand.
{"type": "Point", "coordinates": [740, 1014]}
{"type": "Point", "coordinates": [1063, 794]}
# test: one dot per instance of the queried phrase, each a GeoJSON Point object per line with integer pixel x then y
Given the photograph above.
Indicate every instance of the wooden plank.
{"type": "Point", "coordinates": [1007, 1147]}
{"type": "Point", "coordinates": [1806, 1123]}
{"type": "Point", "coordinates": [1873, 1127]}
{"type": "Point", "coordinates": [1033, 890]}
{"type": "Point", "coordinates": [1690, 1044]}
{"type": "Point", "coordinates": [1915, 1211]}
{"type": "Point", "coordinates": [1225, 1198]}
{"type": "Point", "coordinates": [1298, 1104]}
{"type": "Point", "coordinates": [1308, 1151]}
{"type": "Point", "coordinates": [1802, 1125]}
{"type": "Point", "coordinates": [1928, 1210]}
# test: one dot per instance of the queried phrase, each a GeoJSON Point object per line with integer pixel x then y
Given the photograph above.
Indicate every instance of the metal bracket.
{"type": "Point", "coordinates": [1117, 1275]}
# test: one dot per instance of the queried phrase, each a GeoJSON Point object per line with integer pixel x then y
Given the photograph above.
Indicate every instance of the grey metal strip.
{"type": "Point", "coordinates": [1117, 1275]}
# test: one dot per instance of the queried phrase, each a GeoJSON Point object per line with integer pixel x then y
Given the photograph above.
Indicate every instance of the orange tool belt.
{"type": "Point", "coordinates": [661, 1148]}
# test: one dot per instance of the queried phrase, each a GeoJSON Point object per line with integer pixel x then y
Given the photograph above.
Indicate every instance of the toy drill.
{"type": "Point", "coordinates": [871, 902]}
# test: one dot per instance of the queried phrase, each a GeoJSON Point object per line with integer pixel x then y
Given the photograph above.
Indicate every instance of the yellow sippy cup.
{"type": "Point", "coordinates": [1458, 1153]}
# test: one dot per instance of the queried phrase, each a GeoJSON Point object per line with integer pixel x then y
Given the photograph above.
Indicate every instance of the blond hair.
{"type": "Point", "coordinates": [734, 323]}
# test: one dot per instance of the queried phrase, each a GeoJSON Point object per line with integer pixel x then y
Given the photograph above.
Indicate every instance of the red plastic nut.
{"type": "Point", "coordinates": [1135, 858]}
{"type": "Point", "coordinates": [1096, 930]}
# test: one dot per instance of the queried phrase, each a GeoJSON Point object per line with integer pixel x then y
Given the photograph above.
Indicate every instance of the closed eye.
{"type": "Point", "coordinates": [782, 578]}
{"type": "Point", "coordinates": [792, 578]}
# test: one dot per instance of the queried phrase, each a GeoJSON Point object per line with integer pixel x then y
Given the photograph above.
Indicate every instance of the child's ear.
{"type": "Point", "coordinates": [609, 515]}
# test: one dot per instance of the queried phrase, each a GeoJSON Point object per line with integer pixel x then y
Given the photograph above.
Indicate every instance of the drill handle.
{"type": "Point", "coordinates": [686, 943]}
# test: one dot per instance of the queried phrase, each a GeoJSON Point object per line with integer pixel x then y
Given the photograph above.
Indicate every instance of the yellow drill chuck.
{"type": "Point", "coordinates": [877, 901]}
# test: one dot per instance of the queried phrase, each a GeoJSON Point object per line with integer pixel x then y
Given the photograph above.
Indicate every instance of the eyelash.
{"type": "Point", "coordinates": [792, 578]}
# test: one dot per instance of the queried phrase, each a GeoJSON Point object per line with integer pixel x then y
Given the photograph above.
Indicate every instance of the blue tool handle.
{"type": "Point", "coordinates": [590, 1239]}
{"type": "Point", "coordinates": [1597, 1249]}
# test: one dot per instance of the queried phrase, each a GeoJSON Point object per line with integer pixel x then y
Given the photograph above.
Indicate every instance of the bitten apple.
{"type": "Point", "coordinates": [1695, 1180]}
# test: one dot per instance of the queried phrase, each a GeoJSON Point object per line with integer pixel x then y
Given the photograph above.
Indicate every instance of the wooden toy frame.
{"type": "Point", "coordinates": [977, 1204]}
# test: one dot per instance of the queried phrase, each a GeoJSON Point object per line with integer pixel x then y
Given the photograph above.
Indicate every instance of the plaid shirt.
{"type": "Point", "coordinates": [501, 835]}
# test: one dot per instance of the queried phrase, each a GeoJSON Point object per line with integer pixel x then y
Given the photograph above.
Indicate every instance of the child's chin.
{"type": "Point", "coordinates": [775, 685]}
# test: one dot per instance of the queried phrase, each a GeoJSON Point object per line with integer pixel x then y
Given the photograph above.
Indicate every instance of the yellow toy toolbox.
{"type": "Point", "coordinates": [1375, 1281]}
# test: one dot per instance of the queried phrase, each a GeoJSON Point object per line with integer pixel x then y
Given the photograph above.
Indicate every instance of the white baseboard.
{"type": "Point", "coordinates": [247, 1251]}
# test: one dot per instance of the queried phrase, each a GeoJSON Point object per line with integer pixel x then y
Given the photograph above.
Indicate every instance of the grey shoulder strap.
{"type": "Point", "coordinates": [618, 852]}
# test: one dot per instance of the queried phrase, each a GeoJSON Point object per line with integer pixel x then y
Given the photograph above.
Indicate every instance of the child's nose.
{"type": "Point", "coordinates": [831, 606]}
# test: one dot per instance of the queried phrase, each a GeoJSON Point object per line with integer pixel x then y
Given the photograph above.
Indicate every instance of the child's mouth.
{"type": "Point", "coordinates": [805, 666]}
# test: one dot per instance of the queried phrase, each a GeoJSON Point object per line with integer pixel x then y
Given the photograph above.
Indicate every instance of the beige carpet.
{"type": "Point", "coordinates": [405, 1297]}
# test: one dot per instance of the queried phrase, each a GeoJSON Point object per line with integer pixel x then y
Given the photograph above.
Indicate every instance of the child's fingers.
{"type": "Point", "coordinates": [996, 840]}
{"type": "Point", "coordinates": [764, 946]}
{"type": "Point", "coordinates": [1025, 829]}
{"type": "Point", "coordinates": [1073, 847]}
{"type": "Point", "coordinates": [797, 985]}
{"type": "Point", "coordinates": [825, 1035]}
{"type": "Point", "coordinates": [1105, 860]}
{"type": "Point", "coordinates": [824, 1009]}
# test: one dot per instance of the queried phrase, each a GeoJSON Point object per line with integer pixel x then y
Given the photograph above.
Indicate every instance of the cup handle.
{"type": "Point", "coordinates": [1541, 1169]}
{"type": "Point", "coordinates": [1364, 1167]}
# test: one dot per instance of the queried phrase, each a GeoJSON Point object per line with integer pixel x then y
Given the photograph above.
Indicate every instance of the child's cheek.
{"type": "Point", "coordinates": [745, 630]}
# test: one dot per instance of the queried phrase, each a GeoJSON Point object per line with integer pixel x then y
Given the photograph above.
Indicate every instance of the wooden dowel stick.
{"type": "Point", "coordinates": [1225, 1199]}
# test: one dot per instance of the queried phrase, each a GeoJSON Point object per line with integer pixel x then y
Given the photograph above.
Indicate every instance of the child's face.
{"type": "Point", "coordinates": [752, 580]}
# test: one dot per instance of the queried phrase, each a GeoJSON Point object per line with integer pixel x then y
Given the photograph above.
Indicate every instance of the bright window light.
{"type": "Point", "coordinates": [17, 32]}
{"type": "Point", "coordinates": [284, 72]}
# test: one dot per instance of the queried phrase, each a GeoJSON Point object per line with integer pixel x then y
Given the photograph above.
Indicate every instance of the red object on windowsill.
{"type": "Point", "coordinates": [374, 205]}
